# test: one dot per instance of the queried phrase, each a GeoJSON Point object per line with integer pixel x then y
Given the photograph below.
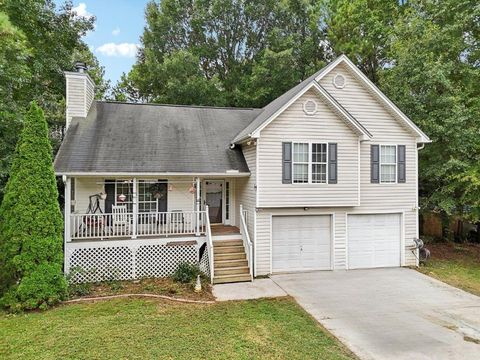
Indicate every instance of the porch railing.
{"type": "Point", "coordinates": [247, 243]}
{"type": "Point", "coordinates": [94, 226]}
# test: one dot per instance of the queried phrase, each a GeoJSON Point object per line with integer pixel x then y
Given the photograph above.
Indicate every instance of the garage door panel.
{"type": "Point", "coordinates": [374, 240]}
{"type": "Point", "coordinates": [301, 243]}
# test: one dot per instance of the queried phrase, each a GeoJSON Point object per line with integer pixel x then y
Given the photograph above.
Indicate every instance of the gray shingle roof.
{"type": "Point", "coordinates": [147, 138]}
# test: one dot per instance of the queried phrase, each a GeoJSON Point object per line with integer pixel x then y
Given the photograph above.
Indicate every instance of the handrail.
{"type": "Point", "coordinates": [208, 233]}
{"type": "Point", "coordinates": [247, 243]}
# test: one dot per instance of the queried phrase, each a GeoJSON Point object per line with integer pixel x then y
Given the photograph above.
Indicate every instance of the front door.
{"type": "Point", "coordinates": [214, 200]}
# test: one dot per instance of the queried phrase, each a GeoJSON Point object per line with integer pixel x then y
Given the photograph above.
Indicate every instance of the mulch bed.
{"type": "Point", "coordinates": [154, 286]}
{"type": "Point", "coordinates": [454, 251]}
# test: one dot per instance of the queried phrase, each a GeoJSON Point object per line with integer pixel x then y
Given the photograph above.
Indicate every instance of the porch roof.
{"type": "Point", "coordinates": [148, 138]}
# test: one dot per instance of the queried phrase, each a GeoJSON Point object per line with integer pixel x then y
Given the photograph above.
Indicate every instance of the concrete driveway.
{"type": "Point", "coordinates": [390, 313]}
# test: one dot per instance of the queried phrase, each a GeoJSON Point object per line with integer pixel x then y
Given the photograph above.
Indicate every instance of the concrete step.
{"type": "Point", "coordinates": [223, 243]}
{"type": "Point", "coordinates": [230, 256]}
{"type": "Point", "coordinates": [238, 270]}
{"type": "Point", "coordinates": [228, 249]}
{"type": "Point", "coordinates": [231, 279]}
{"type": "Point", "coordinates": [219, 264]}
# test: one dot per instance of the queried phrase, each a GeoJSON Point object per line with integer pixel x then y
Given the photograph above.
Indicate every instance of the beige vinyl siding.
{"type": "Point", "coordinates": [84, 187]}
{"type": "Point", "coordinates": [294, 125]}
{"type": "Point", "coordinates": [80, 95]}
{"type": "Point", "coordinates": [374, 198]}
{"type": "Point", "coordinates": [75, 96]}
{"type": "Point", "coordinates": [89, 94]}
{"type": "Point", "coordinates": [245, 189]}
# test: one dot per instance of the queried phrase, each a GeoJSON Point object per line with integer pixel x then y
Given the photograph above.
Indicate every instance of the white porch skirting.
{"type": "Point", "coordinates": [94, 261]}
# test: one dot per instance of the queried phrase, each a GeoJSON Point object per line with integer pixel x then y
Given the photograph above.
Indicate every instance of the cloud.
{"type": "Point", "coordinates": [81, 10]}
{"type": "Point", "coordinates": [116, 31]}
{"type": "Point", "coordinates": [123, 49]}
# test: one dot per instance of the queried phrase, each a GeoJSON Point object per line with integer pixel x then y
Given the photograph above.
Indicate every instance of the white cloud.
{"type": "Point", "coordinates": [81, 10]}
{"type": "Point", "coordinates": [116, 31]}
{"type": "Point", "coordinates": [123, 49]}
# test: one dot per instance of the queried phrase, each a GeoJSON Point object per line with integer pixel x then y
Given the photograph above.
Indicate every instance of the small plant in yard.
{"type": "Point", "coordinates": [186, 273]}
{"type": "Point", "coordinates": [80, 289]}
{"type": "Point", "coordinates": [31, 224]}
{"type": "Point", "coordinates": [115, 285]}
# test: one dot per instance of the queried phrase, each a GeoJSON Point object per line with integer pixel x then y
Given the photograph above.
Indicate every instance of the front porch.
{"type": "Point", "coordinates": [134, 228]}
{"type": "Point", "coordinates": [105, 209]}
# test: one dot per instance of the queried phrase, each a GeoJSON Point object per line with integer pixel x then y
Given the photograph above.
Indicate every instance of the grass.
{"type": "Point", "coordinates": [146, 329]}
{"type": "Point", "coordinates": [455, 264]}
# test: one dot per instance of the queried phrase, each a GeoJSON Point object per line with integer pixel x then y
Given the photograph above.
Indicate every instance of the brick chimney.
{"type": "Point", "coordinates": [80, 92]}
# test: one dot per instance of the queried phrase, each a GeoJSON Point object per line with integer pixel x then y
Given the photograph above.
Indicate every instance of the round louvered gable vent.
{"type": "Point", "coordinates": [339, 81]}
{"type": "Point", "coordinates": [310, 107]}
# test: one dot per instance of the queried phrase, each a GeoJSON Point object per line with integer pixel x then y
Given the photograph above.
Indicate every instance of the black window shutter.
{"type": "Point", "coordinates": [287, 163]}
{"type": "Point", "coordinates": [401, 163]}
{"type": "Point", "coordinates": [332, 163]}
{"type": "Point", "coordinates": [375, 164]}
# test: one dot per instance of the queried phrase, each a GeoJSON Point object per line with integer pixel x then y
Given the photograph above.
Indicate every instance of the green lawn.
{"type": "Point", "coordinates": [147, 329]}
{"type": "Point", "coordinates": [455, 264]}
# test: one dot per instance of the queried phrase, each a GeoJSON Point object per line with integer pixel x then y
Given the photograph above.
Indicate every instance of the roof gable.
{"type": "Point", "coordinates": [277, 106]}
{"type": "Point", "coordinates": [329, 100]}
{"type": "Point", "coordinates": [375, 91]}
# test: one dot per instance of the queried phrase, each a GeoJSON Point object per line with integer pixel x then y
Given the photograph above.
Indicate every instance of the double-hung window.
{"type": "Point", "coordinates": [319, 163]}
{"type": "Point", "coordinates": [388, 163]}
{"type": "Point", "coordinates": [309, 163]}
{"type": "Point", "coordinates": [146, 200]}
{"type": "Point", "coordinates": [300, 163]}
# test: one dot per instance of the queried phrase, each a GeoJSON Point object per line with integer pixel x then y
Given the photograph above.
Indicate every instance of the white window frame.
{"type": "Point", "coordinates": [394, 164]}
{"type": "Point", "coordinates": [151, 202]}
{"type": "Point", "coordinates": [310, 162]}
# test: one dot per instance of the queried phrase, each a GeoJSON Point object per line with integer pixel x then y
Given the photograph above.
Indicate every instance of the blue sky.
{"type": "Point", "coordinates": [117, 32]}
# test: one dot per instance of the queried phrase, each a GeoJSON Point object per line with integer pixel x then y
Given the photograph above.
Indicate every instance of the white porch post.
{"type": "Point", "coordinates": [67, 206]}
{"type": "Point", "coordinates": [197, 202]}
{"type": "Point", "coordinates": [134, 208]}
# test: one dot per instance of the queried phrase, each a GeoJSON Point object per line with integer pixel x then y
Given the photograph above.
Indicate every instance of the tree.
{"type": "Point", "coordinates": [37, 43]}
{"type": "Point", "coordinates": [218, 50]}
{"type": "Point", "coordinates": [434, 78]}
{"type": "Point", "coordinates": [31, 223]}
{"type": "Point", "coordinates": [361, 30]}
{"type": "Point", "coordinates": [13, 69]}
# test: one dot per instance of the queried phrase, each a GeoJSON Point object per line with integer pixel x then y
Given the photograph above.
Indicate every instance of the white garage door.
{"type": "Point", "coordinates": [374, 240]}
{"type": "Point", "coordinates": [301, 243]}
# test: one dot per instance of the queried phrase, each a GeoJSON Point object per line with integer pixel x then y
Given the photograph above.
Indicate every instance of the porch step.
{"type": "Point", "coordinates": [230, 256]}
{"type": "Point", "coordinates": [231, 279]}
{"type": "Point", "coordinates": [237, 270]}
{"type": "Point", "coordinates": [228, 249]}
{"type": "Point", "coordinates": [220, 264]}
{"type": "Point", "coordinates": [223, 243]}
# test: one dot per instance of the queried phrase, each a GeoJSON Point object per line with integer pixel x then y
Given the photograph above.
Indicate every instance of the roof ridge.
{"type": "Point", "coordinates": [179, 105]}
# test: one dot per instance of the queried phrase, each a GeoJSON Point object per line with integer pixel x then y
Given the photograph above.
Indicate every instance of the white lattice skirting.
{"type": "Point", "coordinates": [130, 259]}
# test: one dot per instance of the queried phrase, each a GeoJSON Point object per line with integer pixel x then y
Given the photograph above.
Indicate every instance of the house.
{"type": "Point", "coordinates": [322, 178]}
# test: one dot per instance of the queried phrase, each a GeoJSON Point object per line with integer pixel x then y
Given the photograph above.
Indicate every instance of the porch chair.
{"type": "Point", "coordinates": [120, 220]}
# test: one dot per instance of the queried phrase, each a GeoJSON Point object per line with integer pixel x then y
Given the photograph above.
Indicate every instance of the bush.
{"type": "Point", "coordinates": [31, 223]}
{"type": "Point", "coordinates": [186, 273]}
